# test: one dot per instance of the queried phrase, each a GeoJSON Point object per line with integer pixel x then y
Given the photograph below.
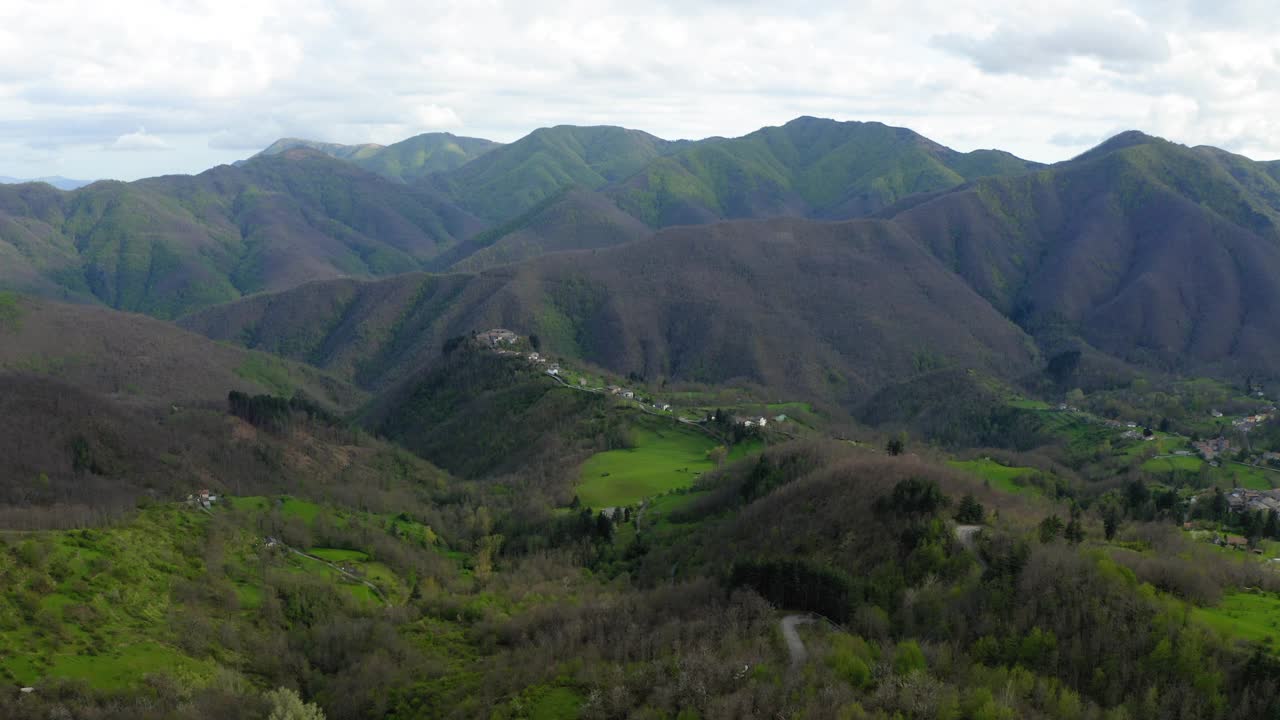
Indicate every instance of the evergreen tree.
{"type": "Point", "coordinates": [896, 446]}
{"type": "Point", "coordinates": [970, 511]}
{"type": "Point", "coordinates": [604, 527]}
{"type": "Point", "coordinates": [1219, 506]}
{"type": "Point", "coordinates": [1050, 528]}
{"type": "Point", "coordinates": [1110, 521]}
{"type": "Point", "coordinates": [1074, 532]}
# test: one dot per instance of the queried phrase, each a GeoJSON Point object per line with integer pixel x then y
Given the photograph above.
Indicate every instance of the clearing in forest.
{"type": "Point", "coordinates": [662, 459]}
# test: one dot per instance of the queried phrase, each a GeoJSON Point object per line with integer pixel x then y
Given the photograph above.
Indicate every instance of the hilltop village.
{"type": "Point", "coordinates": [508, 343]}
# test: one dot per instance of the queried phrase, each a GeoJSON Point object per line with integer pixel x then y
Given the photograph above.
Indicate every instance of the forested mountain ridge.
{"type": "Point", "coordinates": [1151, 253]}
{"type": "Point", "coordinates": [1104, 251]}
{"type": "Point", "coordinates": [809, 167]}
{"type": "Point", "coordinates": [405, 161]}
{"type": "Point", "coordinates": [167, 245]}
{"type": "Point", "coordinates": [302, 210]}
{"type": "Point", "coordinates": [1155, 252]}
{"type": "Point", "coordinates": [511, 180]}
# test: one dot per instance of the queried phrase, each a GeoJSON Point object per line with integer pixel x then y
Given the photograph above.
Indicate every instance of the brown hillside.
{"type": "Point", "coordinates": [830, 310]}
{"type": "Point", "coordinates": [143, 361]}
{"type": "Point", "coordinates": [576, 220]}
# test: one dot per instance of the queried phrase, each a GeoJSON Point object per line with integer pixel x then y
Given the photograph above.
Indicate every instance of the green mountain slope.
{"type": "Point", "coordinates": [421, 155]}
{"type": "Point", "coordinates": [167, 245]}
{"type": "Point", "coordinates": [336, 150]}
{"type": "Point", "coordinates": [808, 167]}
{"type": "Point", "coordinates": [405, 161]}
{"type": "Point", "coordinates": [514, 178]}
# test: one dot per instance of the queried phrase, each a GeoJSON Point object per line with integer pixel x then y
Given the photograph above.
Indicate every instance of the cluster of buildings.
{"type": "Point", "coordinates": [758, 422]}
{"type": "Point", "coordinates": [202, 499]}
{"type": "Point", "coordinates": [1245, 424]}
{"type": "Point", "coordinates": [1244, 500]}
{"type": "Point", "coordinates": [625, 394]}
{"type": "Point", "coordinates": [553, 369]}
{"type": "Point", "coordinates": [501, 341]}
{"type": "Point", "coordinates": [497, 337]}
{"type": "Point", "coordinates": [1210, 449]}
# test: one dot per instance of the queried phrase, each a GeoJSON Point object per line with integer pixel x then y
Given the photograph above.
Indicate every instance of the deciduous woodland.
{"type": "Point", "coordinates": [824, 421]}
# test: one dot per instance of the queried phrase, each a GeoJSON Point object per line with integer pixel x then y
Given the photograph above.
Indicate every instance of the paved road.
{"type": "Point", "coordinates": [795, 646]}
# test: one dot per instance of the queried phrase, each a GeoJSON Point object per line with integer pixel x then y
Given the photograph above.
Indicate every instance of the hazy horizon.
{"type": "Point", "coordinates": [142, 89]}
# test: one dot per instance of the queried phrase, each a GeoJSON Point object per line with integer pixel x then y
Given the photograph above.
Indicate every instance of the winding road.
{"type": "Point", "coordinates": [795, 646]}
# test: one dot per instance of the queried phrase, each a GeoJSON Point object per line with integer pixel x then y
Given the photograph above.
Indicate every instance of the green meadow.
{"type": "Point", "coordinates": [1002, 477]}
{"type": "Point", "coordinates": [662, 459]}
{"type": "Point", "coordinates": [1248, 616]}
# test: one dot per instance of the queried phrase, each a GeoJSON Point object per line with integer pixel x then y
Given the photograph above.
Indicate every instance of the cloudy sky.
{"type": "Point", "coordinates": [130, 89]}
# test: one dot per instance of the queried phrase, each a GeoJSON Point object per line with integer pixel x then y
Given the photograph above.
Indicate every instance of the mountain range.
{"type": "Point", "coordinates": [828, 258]}
{"type": "Point", "coordinates": [167, 245]}
{"type": "Point", "coordinates": [1142, 251]}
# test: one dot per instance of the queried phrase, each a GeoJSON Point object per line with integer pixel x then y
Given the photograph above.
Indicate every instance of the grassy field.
{"type": "Point", "coordinates": [289, 507]}
{"type": "Point", "coordinates": [1249, 477]}
{"type": "Point", "coordinates": [662, 459]}
{"type": "Point", "coordinates": [1002, 477]}
{"type": "Point", "coordinates": [1247, 616]}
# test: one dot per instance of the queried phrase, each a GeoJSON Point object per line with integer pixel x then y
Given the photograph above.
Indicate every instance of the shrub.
{"type": "Point", "coordinates": [908, 658]}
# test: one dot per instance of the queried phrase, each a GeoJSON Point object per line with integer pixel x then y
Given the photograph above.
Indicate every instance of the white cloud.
{"type": "Point", "coordinates": [435, 117]}
{"type": "Point", "coordinates": [219, 80]}
{"type": "Point", "coordinates": [138, 141]}
{"type": "Point", "coordinates": [1119, 41]}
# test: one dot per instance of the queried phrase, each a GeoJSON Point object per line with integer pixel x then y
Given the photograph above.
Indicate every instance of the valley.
{"type": "Point", "coordinates": [826, 420]}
